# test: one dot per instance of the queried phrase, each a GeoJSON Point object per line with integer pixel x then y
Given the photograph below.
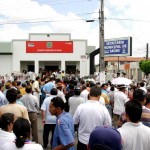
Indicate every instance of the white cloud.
{"type": "Point", "coordinates": [28, 10]}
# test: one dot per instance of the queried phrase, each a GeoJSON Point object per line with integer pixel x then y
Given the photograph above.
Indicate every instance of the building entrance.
{"type": "Point", "coordinates": [70, 68]}
{"type": "Point", "coordinates": [31, 68]}
{"type": "Point", "coordinates": [51, 68]}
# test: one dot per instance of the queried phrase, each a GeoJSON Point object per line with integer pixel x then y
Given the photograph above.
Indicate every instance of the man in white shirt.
{"type": "Point", "coordinates": [135, 135]}
{"type": "Point", "coordinates": [142, 87]}
{"type": "Point", "coordinates": [120, 99]}
{"type": "Point", "coordinates": [48, 120]}
{"type": "Point", "coordinates": [84, 93]}
{"type": "Point", "coordinates": [89, 115]}
{"type": "Point", "coordinates": [59, 87]}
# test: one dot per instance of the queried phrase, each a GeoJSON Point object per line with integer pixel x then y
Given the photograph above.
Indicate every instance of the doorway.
{"type": "Point", "coordinates": [70, 68]}
{"type": "Point", "coordinates": [31, 68]}
{"type": "Point", "coordinates": [51, 68]}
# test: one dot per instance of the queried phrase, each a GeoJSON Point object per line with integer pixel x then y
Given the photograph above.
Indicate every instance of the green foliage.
{"type": "Point", "coordinates": [145, 66]}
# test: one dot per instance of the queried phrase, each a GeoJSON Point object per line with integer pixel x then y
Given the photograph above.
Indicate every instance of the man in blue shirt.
{"type": "Point", "coordinates": [48, 86]}
{"type": "Point", "coordinates": [64, 131]}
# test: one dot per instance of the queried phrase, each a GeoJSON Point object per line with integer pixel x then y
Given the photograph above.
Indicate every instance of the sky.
{"type": "Point", "coordinates": [123, 18]}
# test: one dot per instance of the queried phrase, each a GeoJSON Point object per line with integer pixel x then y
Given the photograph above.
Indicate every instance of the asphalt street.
{"type": "Point", "coordinates": [40, 132]}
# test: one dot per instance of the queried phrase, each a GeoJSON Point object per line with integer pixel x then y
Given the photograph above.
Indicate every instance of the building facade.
{"type": "Point", "coordinates": [45, 51]}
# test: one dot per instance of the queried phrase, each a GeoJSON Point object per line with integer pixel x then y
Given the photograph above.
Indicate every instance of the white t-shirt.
{"type": "Point", "coordinates": [84, 94]}
{"type": "Point", "coordinates": [7, 136]}
{"type": "Point", "coordinates": [90, 115]}
{"type": "Point", "coordinates": [61, 94]}
{"type": "Point", "coordinates": [144, 89]}
{"type": "Point", "coordinates": [49, 119]}
{"type": "Point", "coordinates": [119, 100]}
{"type": "Point", "coordinates": [135, 136]}
{"type": "Point", "coordinates": [12, 146]}
{"type": "Point", "coordinates": [102, 101]}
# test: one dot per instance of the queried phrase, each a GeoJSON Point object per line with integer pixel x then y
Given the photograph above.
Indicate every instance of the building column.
{"type": "Point", "coordinates": [135, 77]}
{"type": "Point", "coordinates": [36, 66]}
{"type": "Point", "coordinates": [84, 71]}
{"type": "Point", "coordinates": [63, 67]}
{"type": "Point", "coordinates": [16, 66]}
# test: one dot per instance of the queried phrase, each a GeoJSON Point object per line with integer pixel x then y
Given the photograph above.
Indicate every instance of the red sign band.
{"type": "Point", "coordinates": [49, 46]}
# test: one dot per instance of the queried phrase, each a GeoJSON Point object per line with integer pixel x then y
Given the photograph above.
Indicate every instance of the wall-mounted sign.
{"type": "Point", "coordinates": [49, 46]}
{"type": "Point", "coordinates": [118, 47]}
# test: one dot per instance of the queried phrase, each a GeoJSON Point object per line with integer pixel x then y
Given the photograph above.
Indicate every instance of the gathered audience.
{"type": "Point", "coordinates": [106, 116]}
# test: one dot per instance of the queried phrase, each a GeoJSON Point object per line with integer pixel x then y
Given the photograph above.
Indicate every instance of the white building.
{"type": "Point", "coordinates": [46, 51]}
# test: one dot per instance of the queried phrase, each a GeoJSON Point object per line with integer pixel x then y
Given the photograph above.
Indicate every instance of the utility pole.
{"type": "Point", "coordinates": [101, 38]}
{"type": "Point", "coordinates": [147, 51]}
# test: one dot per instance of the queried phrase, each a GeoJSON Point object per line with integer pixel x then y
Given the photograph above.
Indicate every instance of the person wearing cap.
{"type": "Point", "coordinates": [89, 115]}
{"type": "Point", "coordinates": [135, 135]}
{"type": "Point", "coordinates": [105, 138]}
{"type": "Point", "coordinates": [140, 96]}
{"type": "Point", "coordinates": [120, 99]}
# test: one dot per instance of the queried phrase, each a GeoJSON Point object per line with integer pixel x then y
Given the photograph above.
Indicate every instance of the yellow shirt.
{"type": "Point", "coordinates": [22, 91]}
{"type": "Point", "coordinates": [105, 98]}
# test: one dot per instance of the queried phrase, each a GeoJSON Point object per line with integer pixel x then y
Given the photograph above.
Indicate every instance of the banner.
{"type": "Point", "coordinates": [49, 46]}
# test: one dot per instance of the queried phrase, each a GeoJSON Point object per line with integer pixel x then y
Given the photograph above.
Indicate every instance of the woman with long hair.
{"type": "Point", "coordinates": [22, 131]}
{"type": "Point", "coordinates": [22, 141]}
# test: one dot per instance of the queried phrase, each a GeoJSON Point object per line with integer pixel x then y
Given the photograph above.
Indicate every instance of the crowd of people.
{"type": "Point", "coordinates": [104, 116]}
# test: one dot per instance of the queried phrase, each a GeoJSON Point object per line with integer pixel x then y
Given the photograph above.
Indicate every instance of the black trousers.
{"type": "Point", "coordinates": [81, 146]}
{"type": "Point", "coordinates": [46, 131]}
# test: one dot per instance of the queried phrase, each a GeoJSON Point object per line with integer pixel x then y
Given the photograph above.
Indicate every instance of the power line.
{"type": "Point", "coordinates": [40, 21]}
{"type": "Point", "coordinates": [125, 19]}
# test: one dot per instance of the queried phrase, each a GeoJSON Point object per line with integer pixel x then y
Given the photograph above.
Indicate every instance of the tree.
{"type": "Point", "coordinates": [145, 66]}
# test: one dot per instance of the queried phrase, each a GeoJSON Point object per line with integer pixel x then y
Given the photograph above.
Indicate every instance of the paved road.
{"type": "Point", "coordinates": [40, 132]}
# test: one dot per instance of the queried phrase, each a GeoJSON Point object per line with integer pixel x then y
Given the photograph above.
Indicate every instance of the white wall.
{"type": "Point", "coordinates": [5, 64]}
{"type": "Point", "coordinates": [49, 37]}
{"type": "Point", "coordinates": [19, 53]}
